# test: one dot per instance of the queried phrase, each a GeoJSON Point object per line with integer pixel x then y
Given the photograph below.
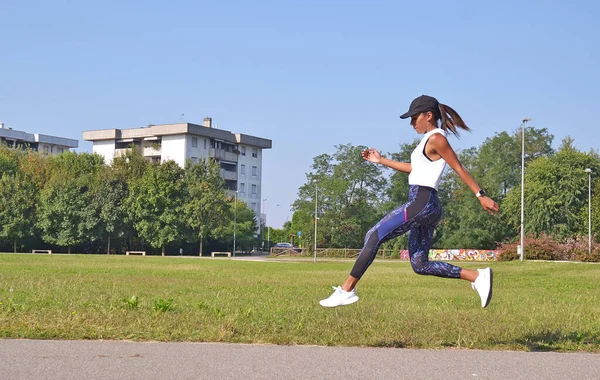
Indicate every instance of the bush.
{"type": "Point", "coordinates": [544, 247]}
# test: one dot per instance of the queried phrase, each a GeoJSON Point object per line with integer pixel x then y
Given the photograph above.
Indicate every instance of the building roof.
{"type": "Point", "coordinates": [176, 129]}
{"type": "Point", "coordinates": [12, 134]}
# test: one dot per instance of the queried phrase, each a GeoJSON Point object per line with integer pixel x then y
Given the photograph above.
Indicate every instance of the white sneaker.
{"type": "Point", "coordinates": [483, 285]}
{"type": "Point", "coordinates": [339, 297]}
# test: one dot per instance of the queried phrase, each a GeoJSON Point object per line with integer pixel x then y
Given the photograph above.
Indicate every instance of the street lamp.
{"type": "Point", "coordinates": [316, 218]}
{"type": "Point", "coordinates": [269, 234]}
{"type": "Point", "coordinates": [589, 172]}
{"type": "Point", "coordinates": [264, 212]}
{"type": "Point", "coordinates": [522, 253]}
{"type": "Point", "coordinates": [287, 229]}
{"type": "Point", "coordinates": [234, 221]}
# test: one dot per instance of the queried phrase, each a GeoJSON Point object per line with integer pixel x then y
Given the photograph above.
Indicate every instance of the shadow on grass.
{"type": "Point", "coordinates": [558, 340]}
{"type": "Point", "coordinates": [392, 343]}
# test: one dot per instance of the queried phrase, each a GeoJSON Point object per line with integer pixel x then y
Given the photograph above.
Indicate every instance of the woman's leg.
{"type": "Point", "coordinates": [419, 243]}
{"type": "Point", "coordinates": [392, 225]}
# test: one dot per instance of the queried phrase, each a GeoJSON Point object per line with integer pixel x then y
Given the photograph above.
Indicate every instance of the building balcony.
{"type": "Point", "coordinates": [228, 175]}
{"type": "Point", "coordinates": [151, 151]}
{"type": "Point", "coordinates": [219, 154]}
{"type": "Point", "coordinates": [121, 152]}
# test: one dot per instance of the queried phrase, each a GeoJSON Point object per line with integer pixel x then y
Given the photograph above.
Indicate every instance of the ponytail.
{"type": "Point", "coordinates": [451, 120]}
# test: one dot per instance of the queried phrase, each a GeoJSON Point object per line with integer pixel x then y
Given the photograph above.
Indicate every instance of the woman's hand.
{"type": "Point", "coordinates": [372, 155]}
{"type": "Point", "coordinates": [489, 205]}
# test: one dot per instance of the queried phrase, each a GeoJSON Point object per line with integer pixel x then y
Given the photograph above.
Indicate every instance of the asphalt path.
{"type": "Point", "coordinates": [51, 359]}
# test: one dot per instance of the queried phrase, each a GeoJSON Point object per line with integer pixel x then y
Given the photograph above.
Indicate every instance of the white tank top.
{"type": "Point", "coordinates": [425, 172]}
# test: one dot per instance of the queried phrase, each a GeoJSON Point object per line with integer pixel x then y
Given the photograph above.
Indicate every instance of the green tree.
{"type": "Point", "coordinates": [206, 210]}
{"type": "Point", "coordinates": [156, 202]}
{"type": "Point", "coordinates": [36, 168]}
{"type": "Point", "coordinates": [129, 169]}
{"type": "Point", "coordinates": [8, 160]}
{"type": "Point", "coordinates": [555, 194]}
{"type": "Point", "coordinates": [17, 207]}
{"type": "Point", "coordinates": [65, 216]}
{"type": "Point", "coordinates": [71, 165]}
{"type": "Point", "coordinates": [245, 227]}
{"type": "Point", "coordinates": [350, 192]}
{"type": "Point", "coordinates": [496, 166]}
{"type": "Point", "coordinates": [109, 197]}
{"type": "Point", "coordinates": [131, 166]}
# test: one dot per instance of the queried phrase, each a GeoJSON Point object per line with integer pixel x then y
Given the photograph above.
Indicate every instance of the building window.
{"type": "Point", "coordinates": [242, 187]}
{"type": "Point", "coordinates": [194, 159]}
{"type": "Point", "coordinates": [45, 149]}
{"type": "Point", "coordinates": [194, 142]}
{"type": "Point", "coordinates": [243, 169]}
{"type": "Point", "coordinates": [60, 150]}
{"type": "Point", "coordinates": [253, 189]}
{"type": "Point", "coordinates": [243, 149]}
{"type": "Point", "coordinates": [255, 152]}
{"type": "Point", "coordinates": [253, 206]}
{"type": "Point", "coordinates": [204, 143]}
{"type": "Point", "coordinates": [254, 171]}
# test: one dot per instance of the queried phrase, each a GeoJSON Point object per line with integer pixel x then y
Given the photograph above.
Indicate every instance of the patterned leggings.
{"type": "Point", "coordinates": [418, 217]}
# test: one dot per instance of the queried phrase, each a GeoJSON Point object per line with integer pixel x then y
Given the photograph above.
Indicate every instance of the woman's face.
{"type": "Point", "coordinates": [421, 122]}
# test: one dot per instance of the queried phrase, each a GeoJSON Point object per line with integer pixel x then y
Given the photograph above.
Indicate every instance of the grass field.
{"type": "Point", "coordinates": [536, 305]}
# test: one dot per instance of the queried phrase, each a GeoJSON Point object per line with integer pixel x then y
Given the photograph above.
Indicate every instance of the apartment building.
{"type": "Point", "coordinates": [46, 144]}
{"type": "Point", "coordinates": [239, 155]}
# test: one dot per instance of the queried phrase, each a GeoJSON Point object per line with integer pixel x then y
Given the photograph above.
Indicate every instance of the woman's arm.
{"type": "Point", "coordinates": [372, 155]}
{"type": "Point", "coordinates": [441, 146]}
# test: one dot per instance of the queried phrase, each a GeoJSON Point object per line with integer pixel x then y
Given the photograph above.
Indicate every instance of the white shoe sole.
{"type": "Point", "coordinates": [347, 301]}
{"type": "Point", "coordinates": [489, 295]}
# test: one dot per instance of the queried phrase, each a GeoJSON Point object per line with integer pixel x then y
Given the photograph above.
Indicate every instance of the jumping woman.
{"type": "Point", "coordinates": [422, 213]}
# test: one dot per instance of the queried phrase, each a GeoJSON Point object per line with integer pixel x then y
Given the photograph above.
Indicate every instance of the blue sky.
{"type": "Point", "coordinates": [306, 74]}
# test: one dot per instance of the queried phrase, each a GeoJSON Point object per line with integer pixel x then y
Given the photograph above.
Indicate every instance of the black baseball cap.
{"type": "Point", "coordinates": [423, 103]}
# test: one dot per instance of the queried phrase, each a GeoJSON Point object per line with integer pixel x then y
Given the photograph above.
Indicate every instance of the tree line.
{"type": "Point", "coordinates": [76, 201]}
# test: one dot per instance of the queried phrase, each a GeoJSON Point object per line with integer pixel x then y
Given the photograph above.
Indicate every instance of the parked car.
{"type": "Point", "coordinates": [283, 246]}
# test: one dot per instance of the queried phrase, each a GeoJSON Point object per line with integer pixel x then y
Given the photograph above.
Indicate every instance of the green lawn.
{"type": "Point", "coordinates": [536, 305]}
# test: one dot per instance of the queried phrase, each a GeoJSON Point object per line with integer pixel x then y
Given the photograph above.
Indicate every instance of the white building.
{"type": "Point", "coordinates": [239, 155]}
{"type": "Point", "coordinates": [41, 143]}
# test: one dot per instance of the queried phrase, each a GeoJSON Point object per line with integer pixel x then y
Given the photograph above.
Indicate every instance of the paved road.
{"type": "Point", "coordinates": [49, 360]}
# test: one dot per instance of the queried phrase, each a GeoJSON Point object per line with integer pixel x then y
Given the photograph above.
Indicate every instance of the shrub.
{"type": "Point", "coordinates": [544, 247]}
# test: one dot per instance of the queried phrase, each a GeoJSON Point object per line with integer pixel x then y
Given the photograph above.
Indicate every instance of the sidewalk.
{"type": "Point", "coordinates": [65, 360]}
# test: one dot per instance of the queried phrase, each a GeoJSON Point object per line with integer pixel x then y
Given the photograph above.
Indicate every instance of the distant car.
{"type": "Point", "coordinates": [287, 246]}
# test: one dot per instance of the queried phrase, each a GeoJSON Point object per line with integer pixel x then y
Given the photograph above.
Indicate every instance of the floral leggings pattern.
{"type": "Point", "coordinates": [418, 217]}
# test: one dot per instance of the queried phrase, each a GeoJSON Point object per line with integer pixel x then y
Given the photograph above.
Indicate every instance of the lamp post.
{"type": "Point", "coordinates": [589, 172]}
{"type": "Point", "coordinates": [264, 212]}
{"type": "Point", "coordinates": [316, 218]}
{"type": "Point", "coordinates": [234, 221]}
{"type": "Point", "coordinates": [287, 230]}
{"type": "Point", "coordinates": [269, 234]}
{"type": "Point", "coordinates": [522, 253]}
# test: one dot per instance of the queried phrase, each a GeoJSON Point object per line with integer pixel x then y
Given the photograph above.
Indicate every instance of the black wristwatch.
{"type": "Point", "coordinates": [480, 193]}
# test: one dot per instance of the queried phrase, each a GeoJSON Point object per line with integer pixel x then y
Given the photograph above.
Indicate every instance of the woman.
{"type": "Point", "coordinates": [421, 214]}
